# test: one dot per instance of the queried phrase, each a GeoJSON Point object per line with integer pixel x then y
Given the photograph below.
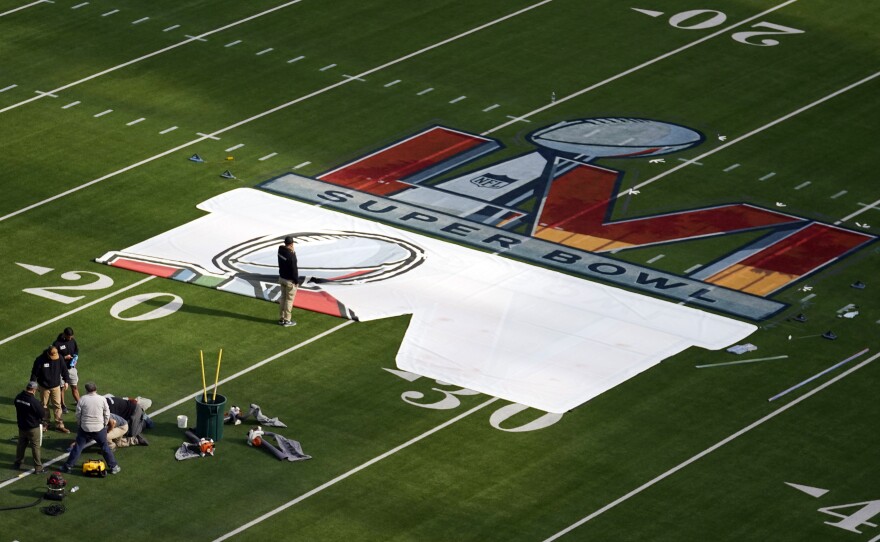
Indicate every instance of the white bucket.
{"type": "Point", "coordinates": [181, 422]}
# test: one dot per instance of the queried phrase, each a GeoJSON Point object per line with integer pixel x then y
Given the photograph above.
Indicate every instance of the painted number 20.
{"type": "Point", "coordinates": [702, 19]}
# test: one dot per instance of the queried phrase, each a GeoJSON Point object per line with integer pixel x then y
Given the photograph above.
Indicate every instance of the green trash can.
{"type": "Point", "coordinates": [209, 417]}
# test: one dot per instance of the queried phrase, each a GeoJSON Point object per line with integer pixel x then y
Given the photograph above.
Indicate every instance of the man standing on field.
{"type": "Point", "coordinates": [288, 276]}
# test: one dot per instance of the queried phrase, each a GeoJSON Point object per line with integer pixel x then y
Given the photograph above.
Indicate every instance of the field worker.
{"type": "Point", "coordinates": [50, 372]}
{"type": "Point", "coordinates": [29, 412]}
{"type": "Point", "coordinates": [288, 276]}
{"type": "Point", "coordinates": [116, 434]}
{"type": "Point", "coordinates": [69, 351]}
{"type": "Point", "coordinates": [93, 416]}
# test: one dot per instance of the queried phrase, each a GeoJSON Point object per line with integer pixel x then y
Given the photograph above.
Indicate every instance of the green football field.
{"type": "Point", "coordinates": [102, 103]}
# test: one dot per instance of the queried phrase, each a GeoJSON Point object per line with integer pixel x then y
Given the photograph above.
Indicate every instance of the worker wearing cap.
{"type": "Point", "coordinates": [69, 352]}
{"type": "Point", "coordinates": [288, 276]}
{"type": "Point", "coordinates": [29, 413]}
{"type": "Point", "coordinates": [50, 372]}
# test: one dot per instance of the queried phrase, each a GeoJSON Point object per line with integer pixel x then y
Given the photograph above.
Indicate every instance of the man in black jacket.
{"type": "Point", "coordinates": [288, 276]}
{"type": "Point", "coordinates": [50, 372]}
{"type": "Point", "coordinates": [29, 413]}
{"type": "Point", "coordinates": [69, 351]}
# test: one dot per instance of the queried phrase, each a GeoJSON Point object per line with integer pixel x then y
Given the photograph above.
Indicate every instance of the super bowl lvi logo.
{"type": "Point", "coordinates": [559, 195]}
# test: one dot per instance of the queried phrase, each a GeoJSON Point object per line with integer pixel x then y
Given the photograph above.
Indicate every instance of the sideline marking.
{"type": "Point", "coordinates": [110, 13]}
{"type": "Point", "coordinates": [860, 211]}
{"type": "Point", "coordinates": [765, 177]}
{"type": "Point", "coordinates": [460, 98]}
{"type": "Point", "coordinates": [427, 90]}
{"type": "Point", "coordinates": [304, 164]}
{"type": "Point", "coordinates": [102, 113]}
{"type": "Point", "coordinates": [79, 5]}
{"type": "Point", "coordinates": [355, 470]}
{"type": "Point", "coordinates": [765, 127]}
{"type": "Point", "coordinates": [835, 196]}
{"type": "Point", "coordinates": [297, 59]}
{"type": "Point", "coordinates": [807, 298]}
{"type": "Point", "coordinates": [132, 123]}
{"type": "Point", "coordinates": [268, 156]}
{"type": "Point", "coordinates": [232, 148]}
{"type": "Point", "coordinates": [272, 110]}
{"type": "Point", "coordinates": [392, 83]}
{"type": "Point", "coordinates": [491, 107]}
{"type": "Point", "coordinates": [731, 168]}
{"type": "Point", "coordinates": [10, 87]}
{"type": "Point", "coordinates": [166, 130]}
{"type": "Point", "coordinates": [190, 396]}
{"type": "Point", "coordinates": [803, 185]}
{"type": "Point", "coordinates": [264, 51]}
{"type": "Point", "coordinates": [642, 65]}
{"type": "Point", "coordinates": [815, 376]}
{"type": "Point", "coordinates": [24, 7]}
{"type": "Point", "coordinates": [71, 104]}
{"type": "Point", "coordinates": [232, 43]}
{"type": "Point", "coordinates": [327, 67]}
{"type": "Point", "coordinates": [655, 258]}
{"type": "Point", "coordinates": [707, 451]}
{"type": "Point", "coordinates": [154, 53]}
{"type": "Point", "coordinates": [139, 21]}
{"type": "Point", "coordinates": [81, 307]}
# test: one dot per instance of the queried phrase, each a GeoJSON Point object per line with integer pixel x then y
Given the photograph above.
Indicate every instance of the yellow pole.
{"type": "Point", "coordinates": [217, 376]}
{"type": "Point", "coordinates": [204, 384]}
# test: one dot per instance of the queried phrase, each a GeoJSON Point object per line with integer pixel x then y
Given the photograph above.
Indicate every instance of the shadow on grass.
{"type": "Point", "coordinates": [211, 311]}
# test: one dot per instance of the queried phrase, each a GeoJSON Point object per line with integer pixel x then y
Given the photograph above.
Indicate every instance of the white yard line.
{"type": "Point", "coordinates": [24, 7]}
{"type": "Point", "coordinates": [860, 211]}
{"type": "Point", "coordinates": [76, 310]}
{"type": "Point", "coordinates": [189, 397]}
{"type": "Point", "coordinates": [275, 109]}
{"type": "Point", "coordinates": [762, 128]}
{"type": "Point", "coordinates": [154, 53]}
{"type": "Point", "coordinates": [707, 451]}
{"type": "Point", "coordinates": [353, 471]}
{"type": "Point", "coordinates": [639, 67]}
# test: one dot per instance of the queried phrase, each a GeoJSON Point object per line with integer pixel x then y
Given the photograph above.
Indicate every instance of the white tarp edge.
{"type": "Point", "coordinates": [483, 322]}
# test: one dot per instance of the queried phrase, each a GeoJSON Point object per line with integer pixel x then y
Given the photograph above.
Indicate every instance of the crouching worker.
{"type": "Point", "coordinates": [117, 430]}
{"type": "Point", "coordinates": [92, 415]}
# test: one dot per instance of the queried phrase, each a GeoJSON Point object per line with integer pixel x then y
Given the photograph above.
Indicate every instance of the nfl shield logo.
{"type": "Point", "coordinates": [492, 181]}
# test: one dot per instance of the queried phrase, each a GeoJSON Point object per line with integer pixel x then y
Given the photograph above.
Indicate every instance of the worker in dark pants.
{"type": "Point", "coordinates": [29, 412]}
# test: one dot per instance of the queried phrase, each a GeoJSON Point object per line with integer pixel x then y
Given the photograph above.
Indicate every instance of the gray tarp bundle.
{"type": "Point", "coordinates": [234, 416]}
{"type": "Point", "coordinates": [288, 449]}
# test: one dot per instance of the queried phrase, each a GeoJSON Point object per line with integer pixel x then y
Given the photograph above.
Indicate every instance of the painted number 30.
{"type": "Point", "coordinates": [449, 399]}
{"type": "Point", "coordinates": [702, 19]}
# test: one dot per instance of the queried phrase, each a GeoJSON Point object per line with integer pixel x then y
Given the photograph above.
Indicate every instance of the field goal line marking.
{"type": "Point", "coordinates": [194, 394]}
{"type": "Point", "coordinates": [148, 55]}
{"type": "Point", "coordinates": [272, 110]}
{"type": "Point", "coordinates": [708, 450]}
{"type": "Point", "coordinates": [353, 471]}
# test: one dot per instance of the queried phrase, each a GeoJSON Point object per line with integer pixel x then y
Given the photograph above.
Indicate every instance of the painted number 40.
{"type": "Point", "coordinates": [860, 514]}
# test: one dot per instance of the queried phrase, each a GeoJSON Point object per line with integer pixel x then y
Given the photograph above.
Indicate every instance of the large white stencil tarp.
{"type": "Point", "coordinates": [480, 321]}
